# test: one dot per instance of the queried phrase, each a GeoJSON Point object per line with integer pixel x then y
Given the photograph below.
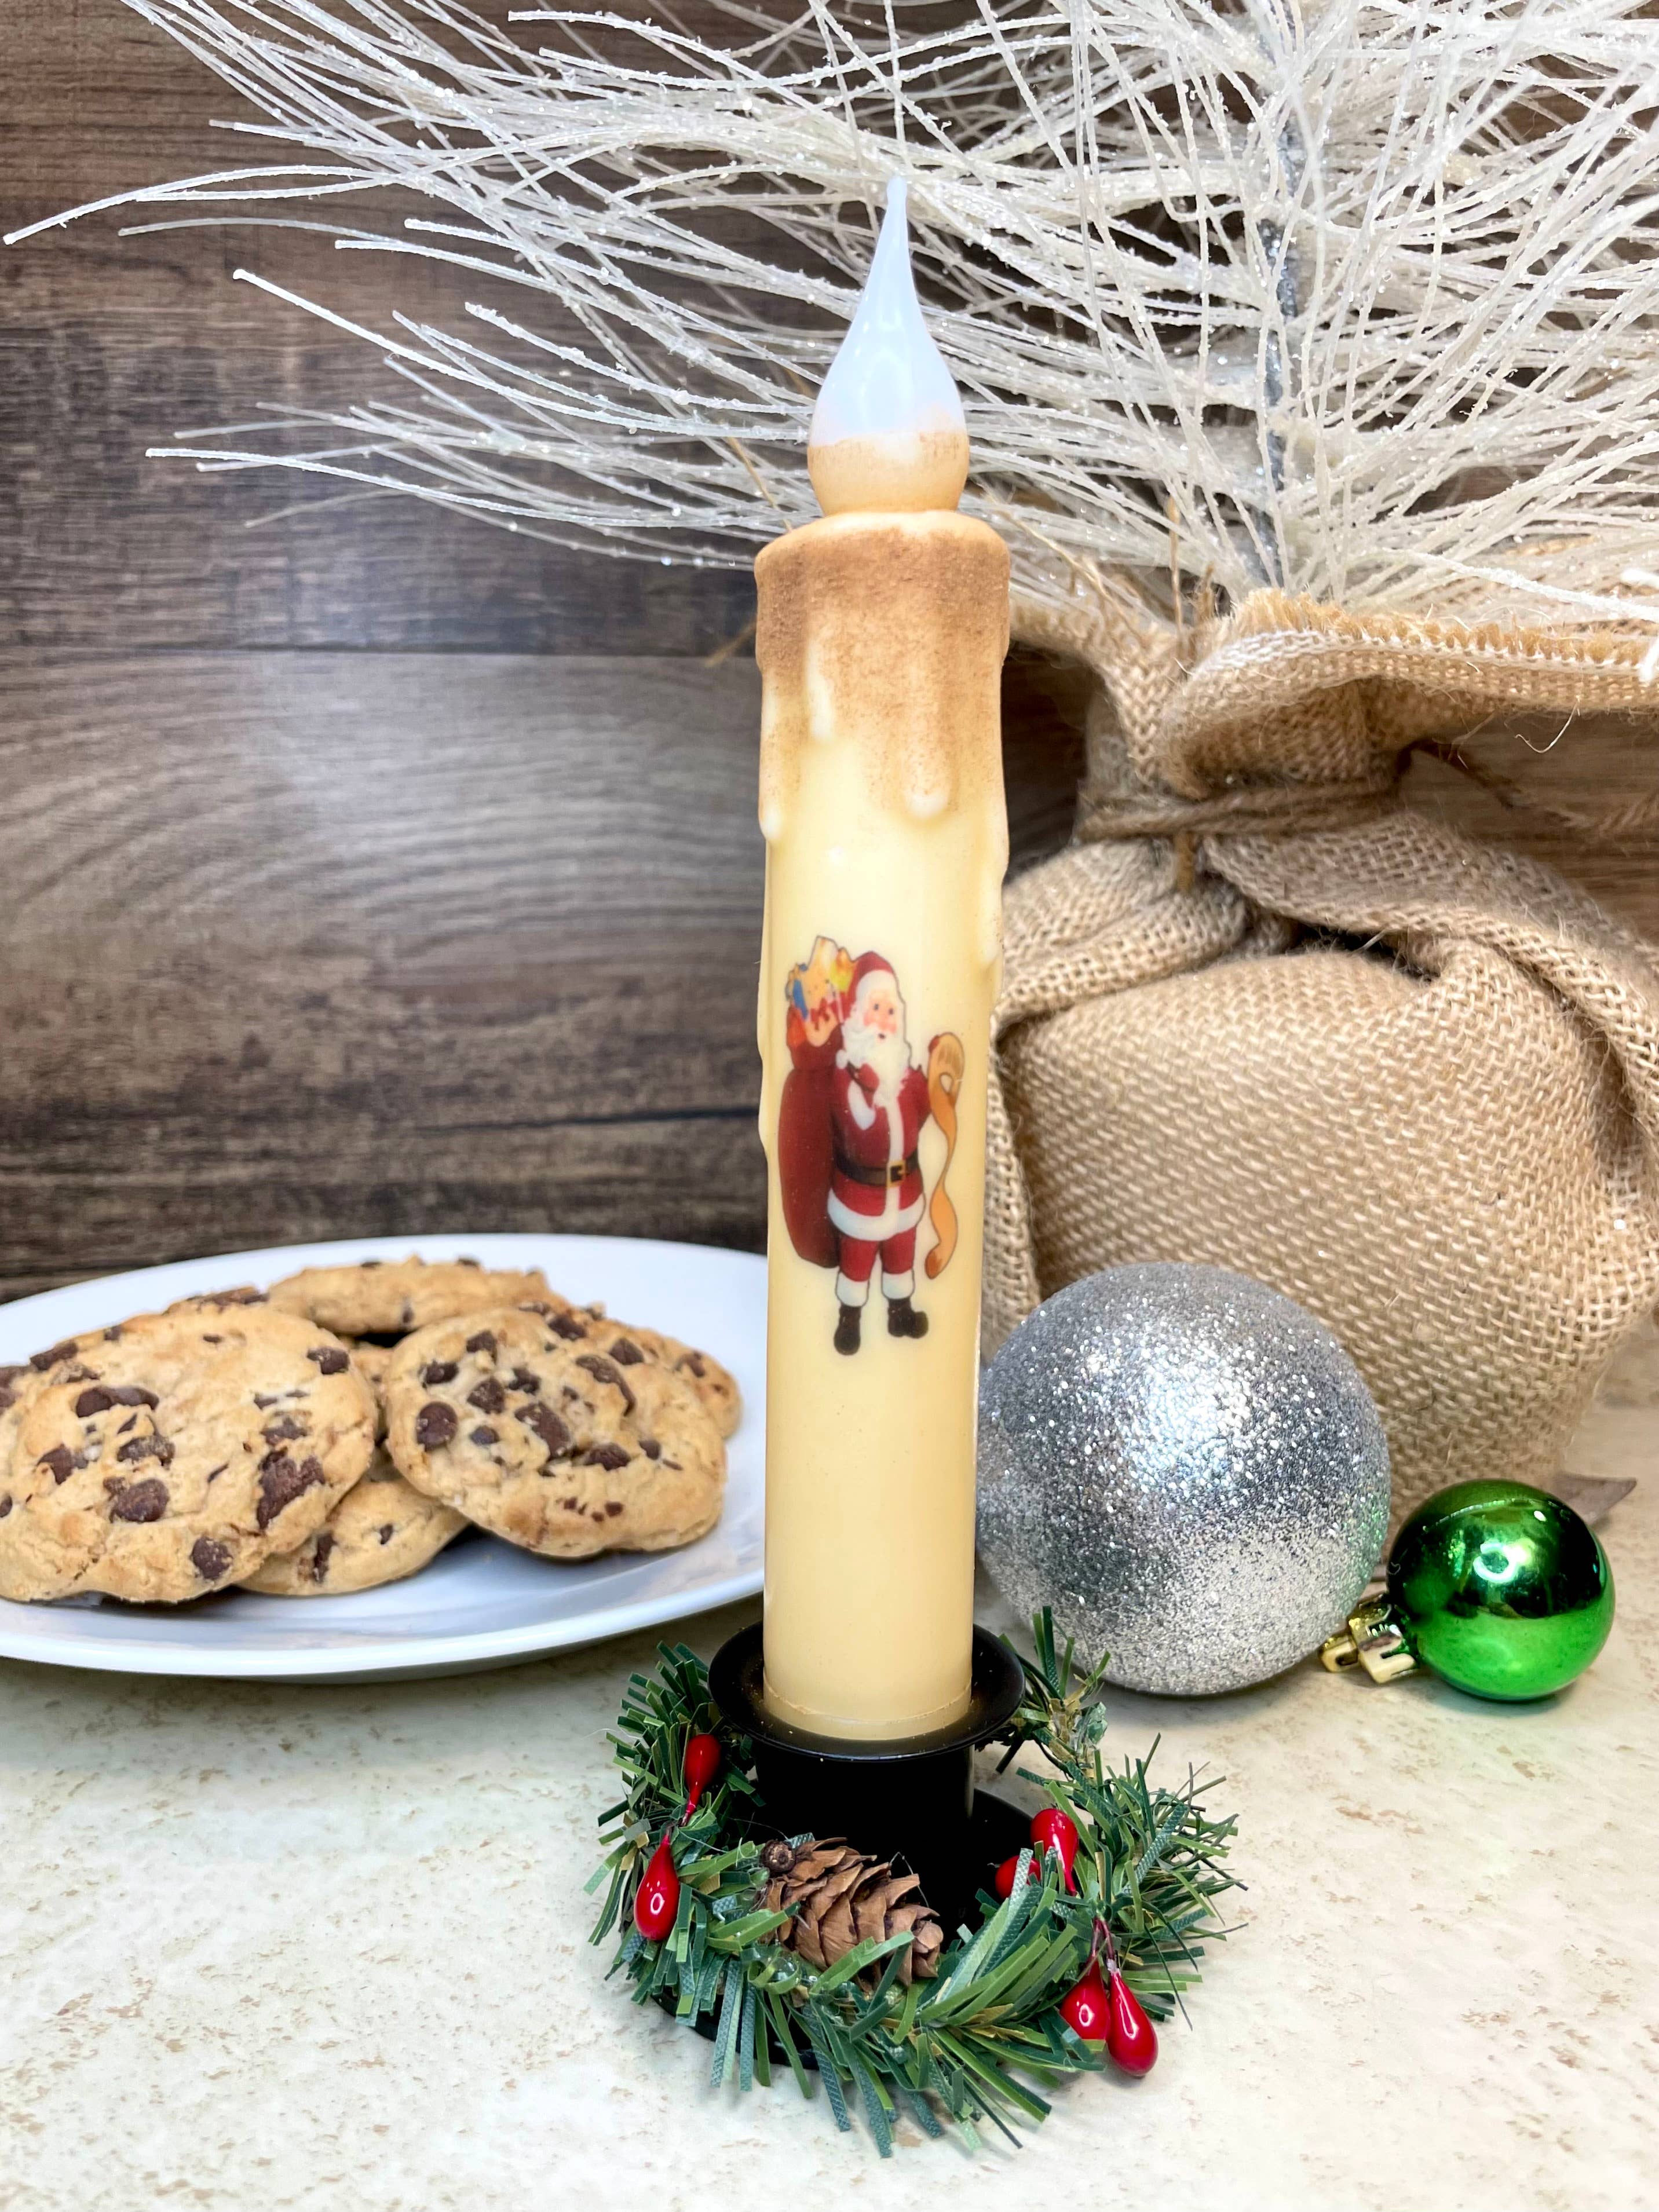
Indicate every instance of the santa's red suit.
{"type": "Point", "coordinates": [875, 1196]}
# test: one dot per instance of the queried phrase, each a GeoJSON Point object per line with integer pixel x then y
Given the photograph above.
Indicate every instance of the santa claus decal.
{"type": "Point", "coordinates": [849, 1125]}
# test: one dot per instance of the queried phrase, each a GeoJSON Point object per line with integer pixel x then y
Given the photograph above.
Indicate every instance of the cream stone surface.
{"type": "Point", "coordinates": [326, 1948]}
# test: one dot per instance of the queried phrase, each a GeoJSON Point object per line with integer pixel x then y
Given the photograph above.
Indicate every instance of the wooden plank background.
{"type": "Point", "coordinates": [363, 868]}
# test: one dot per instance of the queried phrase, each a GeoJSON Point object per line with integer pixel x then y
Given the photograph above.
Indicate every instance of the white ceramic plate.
{"type": "Point", "coordinates": [482, 1603]}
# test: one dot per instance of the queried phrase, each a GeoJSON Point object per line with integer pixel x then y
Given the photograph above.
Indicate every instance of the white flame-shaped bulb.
{"type": "Point", "coordinates": [888, 433]}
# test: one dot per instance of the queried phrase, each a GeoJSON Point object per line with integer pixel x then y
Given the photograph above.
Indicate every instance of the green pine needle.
{"type": "Point", "coordinates": [960, 2051]}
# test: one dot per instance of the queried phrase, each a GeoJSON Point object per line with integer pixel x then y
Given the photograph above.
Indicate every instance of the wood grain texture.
{"type": "Point", "coordinates": [301, 944]}
{"type": "Point", "coordinates": [109, 345]}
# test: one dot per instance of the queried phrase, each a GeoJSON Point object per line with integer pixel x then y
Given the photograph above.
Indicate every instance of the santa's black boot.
{"type": "Point", "coordinates": [903, 1320]}
{"type": "Point", "coordinates": [847, 1329]}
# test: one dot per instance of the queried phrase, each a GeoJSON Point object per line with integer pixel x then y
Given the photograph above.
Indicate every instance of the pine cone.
{"type": "Point", "coordinates": [844, 1898]}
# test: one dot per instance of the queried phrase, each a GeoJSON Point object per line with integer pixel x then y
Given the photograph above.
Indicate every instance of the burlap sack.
{"type": "Point", "coordinates": [1261, 1015]}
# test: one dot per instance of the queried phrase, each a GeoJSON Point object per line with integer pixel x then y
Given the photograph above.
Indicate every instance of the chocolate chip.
{"type": "Point", "coordinates": [274, 1398]}
{"type": "Point", "coordinates": [210, 1560]}
{"type": "Point", "coordinates": [320, 1555]}
{"type": "Point", "coordinates": [41, 1360]}
{"type": "Point", "coordinates": [7, 1397]}
{"type": "Point", "coordinates": [149, 1447]}
{"type": "Point", "coordinates": [650, 1447]}
{"type": "Point", "coordinates": [483, 1341]}
{"type": "Point", "coordinates": [488, 1396]}
{"type": "Point", "coordinates": [481, 1435]}
{"type": "Point", "coordinates": [214, 1472]}
{"type": "Point", "coordinates": [330, 1359]}
{"type": "Point", "coordinates": [385, 1532]}
{"type": "Point", "coordinates": [281, 1481]}
{"type": "Point", "coordinates": [131, 1393]}
{"type": "Point", "coordinates": [5, 1505]}
{"type": "Point", "coordinates": [128, 1425]}
{"type": "Point", "coordinates": [408, 1316]}
{"type": "Point", "coordinates": [94, 1400]}
{"type": "Point", "coordinates": [114, 1335]}
{"type": "Point", "coordinates": [603, 1372]}
{"type": "Point", "coordinates": [140, 1501]}
{"type": "Point", "coordinates": [371, 1263]}
{"type": "Point", "coordinates": [606, 1456]}
{"type": "Point", "coordinates": [525, 1381]}
{"type": "Point", "coordinates": [567, 1326]}
{"type": "Point", "coordinates": [435, 1425]}
{"type": "Point", "coordinates": [10, 1374]}
{"type": "Point", "coordinates": [696, 1364]}
{"type": "Point", "coordinates": [626, 1353]}
{"type": "Point", "coordinates": [206, 1338]}
{"type": "Point", "coordinates": [245, 1296]}
{"type": "Point", "coordinates": [61, 1460]}
{"type": "Point", "coordinates": [612, 1506]}
{"type": "Point", "coordinates": [469, 1263]}
{"type": "Point", "coordinates": [283, 1429]}
{"type": "Point", "coordinates": [436, 1371]}
{"type": "Point", "coordinates": [553, 1432]}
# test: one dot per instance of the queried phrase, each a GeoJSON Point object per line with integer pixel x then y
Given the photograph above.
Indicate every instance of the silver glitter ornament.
{"type": "Point", "coordinates": [1187, 1467]}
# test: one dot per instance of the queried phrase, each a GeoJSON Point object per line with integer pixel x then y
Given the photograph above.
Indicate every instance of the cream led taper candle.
{"type": "Point", "coordinates": [881, 632]}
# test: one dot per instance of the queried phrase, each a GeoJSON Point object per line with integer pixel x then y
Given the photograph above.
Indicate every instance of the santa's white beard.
{"type": "Point", "coordinates": [889, 1056]}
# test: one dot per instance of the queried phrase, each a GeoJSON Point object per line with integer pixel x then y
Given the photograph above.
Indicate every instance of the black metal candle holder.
{"type": "Point", "coordinates": [912, 1800]}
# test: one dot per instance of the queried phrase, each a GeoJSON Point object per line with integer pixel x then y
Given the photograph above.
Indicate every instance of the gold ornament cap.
{"type": "Point", "coordinates": [1373, 1640]}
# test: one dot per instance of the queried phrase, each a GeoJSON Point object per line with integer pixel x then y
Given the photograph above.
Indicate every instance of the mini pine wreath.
{"type": "Point", "coordinates": [808, 1952]}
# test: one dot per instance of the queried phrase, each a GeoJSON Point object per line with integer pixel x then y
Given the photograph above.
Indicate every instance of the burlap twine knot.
{"type": "Point", "coordinates": [1285, 808]}
{"type": "Point", "coordinates": [1262, 1014]}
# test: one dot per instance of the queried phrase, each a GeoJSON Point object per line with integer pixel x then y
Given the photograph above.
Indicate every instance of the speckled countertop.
{"type": "Point", "coordinates": [326, 1947]}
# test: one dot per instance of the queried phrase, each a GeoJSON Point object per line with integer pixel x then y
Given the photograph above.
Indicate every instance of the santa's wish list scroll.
{"type": "Point", "coordinates": [882, 630]}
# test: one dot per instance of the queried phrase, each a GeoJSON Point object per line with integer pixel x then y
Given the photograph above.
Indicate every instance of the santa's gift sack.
{"type": "Point", "coordinates": [1261, 1015]}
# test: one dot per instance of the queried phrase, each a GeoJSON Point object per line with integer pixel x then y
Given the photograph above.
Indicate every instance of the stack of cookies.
{"type": "Point", "coordinates": [338, 1432]}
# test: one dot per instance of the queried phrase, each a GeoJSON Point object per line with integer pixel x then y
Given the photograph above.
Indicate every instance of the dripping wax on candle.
{"type": "Point", "coordinates": [888, 434]}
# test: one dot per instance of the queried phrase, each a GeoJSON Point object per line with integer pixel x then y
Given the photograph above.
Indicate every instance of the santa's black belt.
{"type": "Point", "coordinates": [878, 1178]}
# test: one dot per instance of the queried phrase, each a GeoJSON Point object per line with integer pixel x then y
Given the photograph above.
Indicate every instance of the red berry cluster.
{"type": "Point", "coordinates": [657, 1901]}
{"type": "Point", "coordinates": [1099, 2011]}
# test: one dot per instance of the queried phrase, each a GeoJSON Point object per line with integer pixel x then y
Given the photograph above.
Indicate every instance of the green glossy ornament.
{"type": "Point", "coordinates": [1499, 1589]}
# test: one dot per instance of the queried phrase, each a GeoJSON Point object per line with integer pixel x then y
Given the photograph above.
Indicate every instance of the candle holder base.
{"type": "Point", "coordinates": [911, 1798]}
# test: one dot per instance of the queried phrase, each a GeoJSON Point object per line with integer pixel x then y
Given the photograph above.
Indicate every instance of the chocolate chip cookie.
{"type": "Point", "coordinates": [382, 1530]}
{"type": "Point", "coordinates": [171, 1454]}
{"type": "Point", "coordinates": [550, 1443]}
{"type": "Point", "coordinates": [12, 1383]}
{"type": "Point", "coordinates": [627, 1345]}
{"type": "Point", "coordinates": [386, 1298]}
{"type": "Point", "coordinates": [371, 1361]}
